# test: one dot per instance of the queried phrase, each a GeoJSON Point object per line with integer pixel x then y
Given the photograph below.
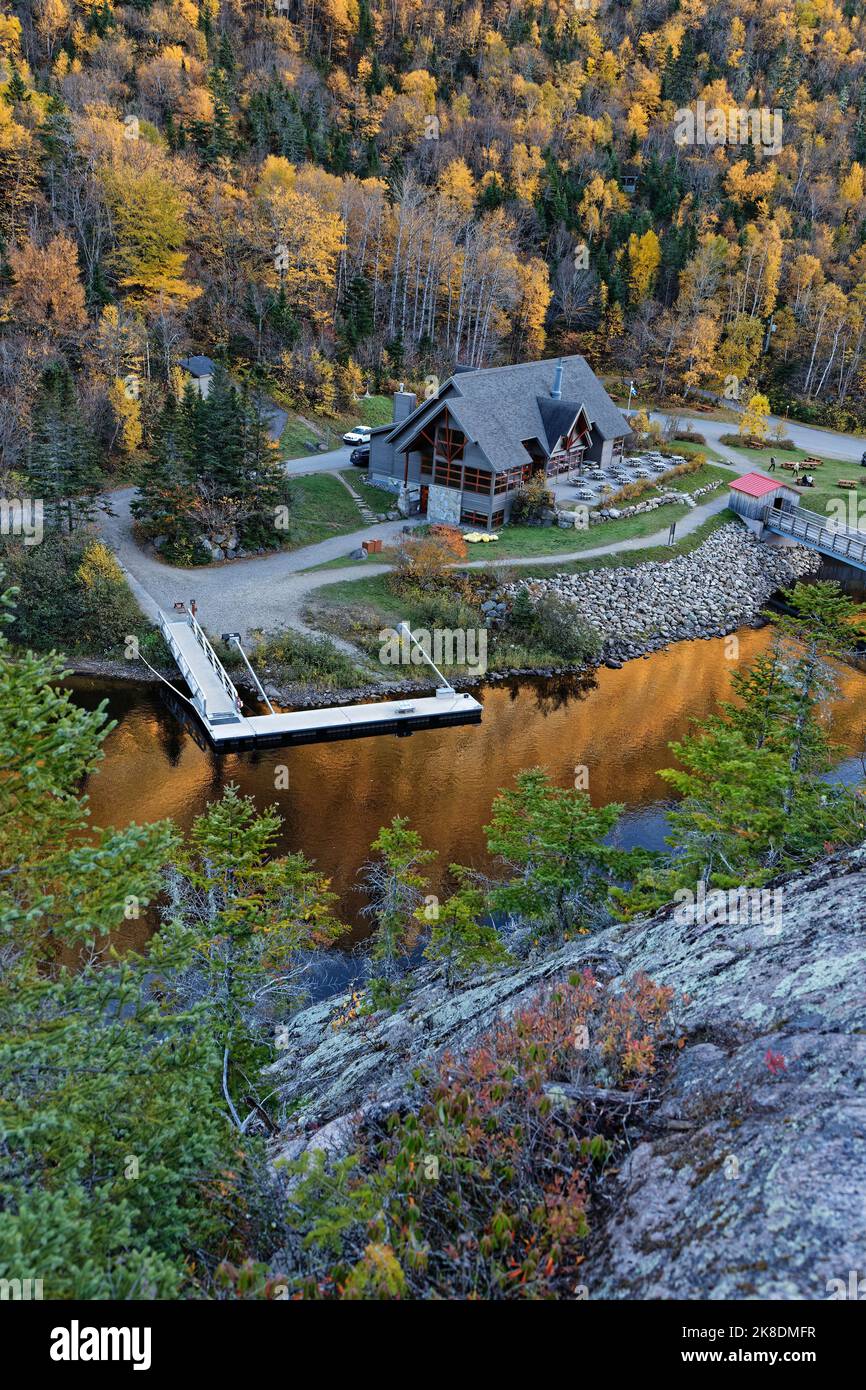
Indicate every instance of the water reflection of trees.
{"type": "Point", "coordinates": [555, 692]}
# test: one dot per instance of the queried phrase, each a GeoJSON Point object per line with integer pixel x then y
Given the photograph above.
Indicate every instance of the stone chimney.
{"type": "Point", "coordinates": [556, 389]}
{"type": "Point", "coordinates": [404, 404]}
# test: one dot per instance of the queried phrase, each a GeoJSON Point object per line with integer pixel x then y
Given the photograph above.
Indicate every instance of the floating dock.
{"type": "Point", "coordinates": [219, 707]}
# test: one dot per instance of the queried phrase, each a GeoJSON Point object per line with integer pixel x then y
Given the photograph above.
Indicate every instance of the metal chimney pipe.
{"type": "Point", "coordinates": [556, 392]}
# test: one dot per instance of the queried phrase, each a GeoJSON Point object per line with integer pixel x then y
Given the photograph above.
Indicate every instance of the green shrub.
{"type": "Point", "coordinates": [482, 1190]}
{"type": "Point", "coordinates": [564, 631]}
{"type": "Point", "coordinates": [74, 597]}
{"type": "Point", "coordinates": [298, 659]}
{"type": "Point", "coordinates": [531, 502]}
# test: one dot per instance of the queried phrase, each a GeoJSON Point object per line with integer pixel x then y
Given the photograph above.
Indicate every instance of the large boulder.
{"type": "Point", "coordinates": [746, 1180]}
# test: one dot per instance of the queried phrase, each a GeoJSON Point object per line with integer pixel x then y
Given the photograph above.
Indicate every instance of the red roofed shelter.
{"type": "Point", "coordinates": [751, 495]}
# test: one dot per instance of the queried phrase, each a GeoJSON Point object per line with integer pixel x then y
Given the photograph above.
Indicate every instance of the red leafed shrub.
{"type": "Point", "coordinates": [480, 1190]}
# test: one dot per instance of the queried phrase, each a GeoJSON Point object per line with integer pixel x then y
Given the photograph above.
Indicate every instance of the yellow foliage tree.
{"type": "Point", "coordinates": [126, 409]}
{"type": "Point", "coordinates": [644, 258]}
{"type": "Point", "coordinates": [754, 422]}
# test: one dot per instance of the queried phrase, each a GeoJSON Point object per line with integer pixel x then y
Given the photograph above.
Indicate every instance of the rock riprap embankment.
{"type": "Point", "coordinates": [722, 585]}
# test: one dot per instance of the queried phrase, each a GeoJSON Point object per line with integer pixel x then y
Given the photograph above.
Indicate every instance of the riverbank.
{"type": "Point", "coordinates": [723, 585]}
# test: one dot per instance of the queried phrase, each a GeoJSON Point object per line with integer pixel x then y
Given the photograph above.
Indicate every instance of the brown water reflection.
{"type": "Point", "coordinates": [339, 794]}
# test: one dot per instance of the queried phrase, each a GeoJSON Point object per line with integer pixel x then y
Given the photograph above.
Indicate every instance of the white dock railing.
{"type": "Point", "coordinates": [189, 675]}
{"type": "Point", "coordinates": [219, 669]}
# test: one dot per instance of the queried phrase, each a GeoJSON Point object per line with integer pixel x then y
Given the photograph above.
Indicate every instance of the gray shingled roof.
{"type": "Point", "coordinates": [199, 366]}
{"type": "Point", "coordinates": [500, 407]}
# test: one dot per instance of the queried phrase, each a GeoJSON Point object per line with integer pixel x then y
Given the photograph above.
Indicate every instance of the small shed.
{"type": "Point", "coordinates": [201, 370]}
{"type": "Point", "coordinates": [751, 495]}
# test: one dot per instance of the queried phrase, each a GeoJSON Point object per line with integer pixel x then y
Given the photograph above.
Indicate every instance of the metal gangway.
{"type": "Point", "coordinates": [212, 691]}
{"type": "Point", "coordinates": [216, 701]}
{"type": "Point", "coordinates": [813, 530]}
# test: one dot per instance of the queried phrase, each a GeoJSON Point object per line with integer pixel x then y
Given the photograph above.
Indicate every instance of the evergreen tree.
{"type": "Point", "coordinates": [241, 916]}
{"type": "Point", "coordinates": [357, 313]}
{"type": "Point", "coordinates": [753, 779]}
{"type": "Point", "coordinates": [460, 943]}
{"type": "Point", "coordinates": [395, 885]}
{"type": "Point", "coordinates": [551, 839]}
{"type": "Point", "coordinates": [61, 466]}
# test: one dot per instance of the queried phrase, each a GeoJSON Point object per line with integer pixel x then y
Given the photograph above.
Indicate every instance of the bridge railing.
{"type": "Point", "coordinates": [218, 668]}
{"type": "Point", "coordinates": [186, 671]}
{"type": "Point", "coordinates": [812, 527]}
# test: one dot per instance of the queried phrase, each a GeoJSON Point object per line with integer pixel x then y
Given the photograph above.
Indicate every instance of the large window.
{"type": "Point", "coordinates": [476, 480]}
{"type": "Point", "coordinates": [447, 474]}
{"type": "Point", "coordinates": [513, 479]}
{"type": "Point", "coordinates": [565, 460]}
{"type": "Point", "coordinates": [471, 518]}
{"type": "Point", "coordinates": [450, 443]}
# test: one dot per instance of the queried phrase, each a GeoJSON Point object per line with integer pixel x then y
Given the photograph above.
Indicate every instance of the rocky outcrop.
{"type": "Point", "coordinates": [747, 1179]}
{"type": "Point", "coordinates": [722, 585]}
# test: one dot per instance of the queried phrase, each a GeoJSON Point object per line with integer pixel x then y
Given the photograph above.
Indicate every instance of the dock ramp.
{"type": "Point", "coordinates": [219, 707]}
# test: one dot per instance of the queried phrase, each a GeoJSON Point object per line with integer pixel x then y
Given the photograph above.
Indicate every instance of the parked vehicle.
{"type": "Point", "coordinates": [358, 434]}
{"type": "Point", "coordinates": [360, 458]}
{"type": "Point", "coordinates": [863, 460]}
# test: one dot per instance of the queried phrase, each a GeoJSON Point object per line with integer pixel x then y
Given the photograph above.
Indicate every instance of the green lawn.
{"type": "Point", "coordinates": [329, 429]}
{"type": "Point", "coordinates": [380, 497]}
{"type": "Point", "coordinates": [620, 559]}
{"type": "Point", "coordinates": [517, 541]}
{"type": "Point", "coordinates": [687, 447]}
{"type": "Point", "coordinates": [386, 556]}
{"type": "Point", "coordinates": [322, 508]}
{"type": "Point", "coordinates": [814, 498]}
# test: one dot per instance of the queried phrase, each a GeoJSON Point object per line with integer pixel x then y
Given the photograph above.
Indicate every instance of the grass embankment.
{"type": "Point", "coordinates": [519, 541]}
{"type": "Point", "coordinates": [329, 429]}
{"type": "Point", "coordinates": [295, 659]}
{"type": "Point", "coordinates": [623, 559]}
{"type": "Point", "coordinates": [359, 609]}
{"type": "Point", "coordinates": [377, 497]}
{"type": "Point", "coordinates": [322, 509]}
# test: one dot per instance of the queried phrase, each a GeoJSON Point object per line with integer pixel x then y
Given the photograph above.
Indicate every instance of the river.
{"type": "Point", "coordinates": [618, 726]}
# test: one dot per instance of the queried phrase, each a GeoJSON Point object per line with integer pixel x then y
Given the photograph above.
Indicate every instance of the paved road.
{"type": "Point", "coordinates": [331, 462]}
{"type": "Point", "coordinates": [268, 593]}
{"type": "Point", "coordinates": [261, 592]}
{"type": "Point", "coordinates": [815, 441]}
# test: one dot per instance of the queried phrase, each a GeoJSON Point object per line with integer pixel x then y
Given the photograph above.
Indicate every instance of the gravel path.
{"type": "Point", "coordinates": [268, 592]}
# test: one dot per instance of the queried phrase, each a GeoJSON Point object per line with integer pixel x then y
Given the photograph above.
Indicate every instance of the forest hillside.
{"type": "Point", "coordinates": [331, 195]}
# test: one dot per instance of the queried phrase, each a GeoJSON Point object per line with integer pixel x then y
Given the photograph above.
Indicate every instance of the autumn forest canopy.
{"type": "Point", "coordinates": [328, 195]}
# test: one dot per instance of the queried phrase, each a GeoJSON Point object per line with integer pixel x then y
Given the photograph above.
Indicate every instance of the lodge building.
{"type": "Point", "coordinates": [464, 453]}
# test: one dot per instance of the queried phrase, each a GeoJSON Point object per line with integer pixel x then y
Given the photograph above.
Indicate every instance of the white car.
{"type": "Point", "coordinates": [359, 435]}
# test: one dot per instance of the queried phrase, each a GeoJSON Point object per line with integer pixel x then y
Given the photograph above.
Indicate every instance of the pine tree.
{"type": "Point", "coordinates": [61, 466]}
{"type": "Point", "coordinates": [395, 885]}
{"type": "Point", "coordinates": [460, 943]}
{"type": "Point", "coordinates": [551, 839]}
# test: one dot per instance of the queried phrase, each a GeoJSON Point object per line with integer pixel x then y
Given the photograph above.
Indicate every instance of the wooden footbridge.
{"type": "Point", "coordinates": [812, 529]}
{"type": "Point", "coordinates": [773, 505]}
{"type": "Point", "coordinates": [219, 707]}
